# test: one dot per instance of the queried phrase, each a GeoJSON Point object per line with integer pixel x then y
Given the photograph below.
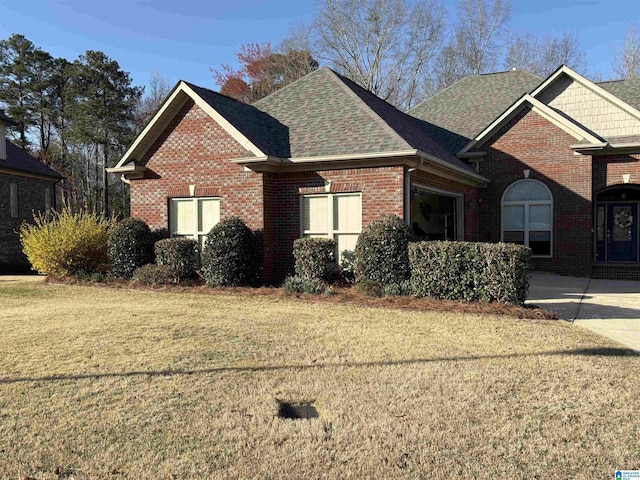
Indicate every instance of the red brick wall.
{"type": "Point", "coordinates": [609, 169]}
{"type": "Point", "coordinates": [470, 199]}
{"type": "Point", "coordinates": [195, 150]}
{"type": "Point", "coordinates": [531, 142]}
{"type": "Point", "coordinates": [382, 193]}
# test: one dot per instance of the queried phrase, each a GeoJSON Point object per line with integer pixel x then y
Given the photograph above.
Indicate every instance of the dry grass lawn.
{"type": "Point", "coordinates": [116, 383]}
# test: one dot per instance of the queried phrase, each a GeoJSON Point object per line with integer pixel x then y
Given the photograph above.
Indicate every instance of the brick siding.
{"type": "Point", "coordinates": [531, 142]}
{"type": "Point", "coordinates": [31, 198]}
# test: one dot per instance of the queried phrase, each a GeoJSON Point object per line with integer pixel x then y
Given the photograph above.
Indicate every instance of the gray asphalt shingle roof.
{"type": "Point", "coordinates": [18, 159]}
{"type": "Point", "coordinates": [458, 113]}
{"type": "Point", "coordinates": [626, 90]}
{"type": "Point", "coordinates": [325, 114]}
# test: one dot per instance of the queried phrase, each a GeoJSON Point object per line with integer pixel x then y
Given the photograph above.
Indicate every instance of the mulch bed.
{"type": "Point", "coordinates": [341, 295]}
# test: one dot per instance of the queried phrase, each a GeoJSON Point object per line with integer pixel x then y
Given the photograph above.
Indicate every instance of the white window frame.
{"type": "Point", "coordinates": [197, 232]}
{"type": "Point", "coordinates": [526, 204]}
{"type": "Point", "coordinates": [13, 200]}
{"type": "Point", "coordinates": [331, 233]}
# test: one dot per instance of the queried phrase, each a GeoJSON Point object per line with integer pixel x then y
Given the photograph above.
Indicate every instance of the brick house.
{"type": "Point", "coordinates": [550, 164]}
{"type": "Point", "coordinates": [26, 186]}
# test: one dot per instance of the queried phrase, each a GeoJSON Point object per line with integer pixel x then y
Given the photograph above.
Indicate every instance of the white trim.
{"type": "Point", "coordinates": [184, 89]}
{"type": "Point", "coordinates": [453, 167]}
{"type": "Point", "coordinates": [527, 204]}
{"type": "Point", "coordinates": [543, 110]}
{"type": "Point", "coordinates": [585, 82]}
{"type": "Point", "coordinates": [223, 122]}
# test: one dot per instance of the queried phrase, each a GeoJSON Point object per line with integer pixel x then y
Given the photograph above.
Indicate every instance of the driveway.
{"type": "Point", "coordinates": [607, 307]}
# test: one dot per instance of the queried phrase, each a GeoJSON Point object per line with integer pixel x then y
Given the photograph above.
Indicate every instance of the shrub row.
{"type": "Point", "coordinates": [485, 272]}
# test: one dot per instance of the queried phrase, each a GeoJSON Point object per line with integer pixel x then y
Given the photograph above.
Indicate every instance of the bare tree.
{"type": "Point", "coordinates": [475, 43]}
{"type": "Point", "coordinates": [386, 46]}
{"type": "Point", "coordinates": [158, 89]}
{"type": "Point", "coordinates": [626, 62]}
{"type": "Point", "coordinates": [480, 28]}
{"type": "Point", "coordinates": [543, 56]}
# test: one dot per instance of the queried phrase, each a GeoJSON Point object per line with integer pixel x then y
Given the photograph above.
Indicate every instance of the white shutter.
{"type": "Point", "coordinates": [315, 214]}
{"type": "Point", "coordinates": [182, 217]}
{"type": "Point", "coordinates": [346, 213]}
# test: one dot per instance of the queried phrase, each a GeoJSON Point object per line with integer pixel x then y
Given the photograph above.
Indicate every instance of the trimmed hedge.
{"type": "Point", "coordinates": [314, 257]}
{"type": "Point", "coordinates": [181, 254]}
{"type": "Point", "coordinates": [381, 251]}
{"type": "Point", "coordinates": [152, 274]}
{"type": "Point", "coordinates": [485, 272]}
{"type": "Point", "coordinates": [231, 255]}
{"type": "Point", "coordinates": [130, 246]}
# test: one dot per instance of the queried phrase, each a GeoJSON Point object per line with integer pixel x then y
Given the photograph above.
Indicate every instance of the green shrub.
{"type": "Point", "coordinates": [485, 272]}
{"type": "Point", "coordinates": [300, 284]}
{"type": "Point", "coordinates": [371, 288]}
{"type": "Point", "coordinates": [63, 243]}
{"type": "Point", "coordinates": [130, 246]}
{"type": "Point", "coordinates": [152, 274]}
{"type": "Point", "coordinates": [181, 254]}
{"type": "Point", "coordinates": [314, 257]}
{"type": "Point", "coordinates": [381, 251]}
{"type": "Point", "coordinates": [231, 255]}
{"type": "Point", "coordinates": [398, 289]}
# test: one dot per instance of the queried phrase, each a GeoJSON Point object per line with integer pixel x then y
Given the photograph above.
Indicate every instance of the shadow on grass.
{"type": "Point", "coordinates": [589, 352]}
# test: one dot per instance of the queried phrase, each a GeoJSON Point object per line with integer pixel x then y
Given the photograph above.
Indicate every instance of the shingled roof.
{"type": "Point", "coordinates": [327, 114]}
{"type": "Point", "coordinates": [19, 160]}
{"type": "Point", "coordinates": [458, 113]}
{"type": "Point", "coordinates": [626, 90]}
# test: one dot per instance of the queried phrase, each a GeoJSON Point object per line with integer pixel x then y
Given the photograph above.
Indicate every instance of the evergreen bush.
{"type": "Point", "coordinates": [381, 252]}
{"type": "Point", "coordinates": [181, 254]}
{"type": "Point", "coordinates": [467, 271]}
{"type": "Point", "coordinates": [315, 258]}
{"type": "Point", "coordinates": [231, 255]}
{"type": "Point", "coordinates": [130, 246]}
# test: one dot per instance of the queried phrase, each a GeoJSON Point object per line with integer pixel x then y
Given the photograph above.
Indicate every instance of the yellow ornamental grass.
{"type": "Point", "coordinates": [66, 243]}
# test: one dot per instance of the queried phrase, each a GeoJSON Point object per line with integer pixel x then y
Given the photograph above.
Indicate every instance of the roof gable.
{"type": "Point", "coordinates": [176, 100]}
{"type": "Point", "coordinates": [459, 112]}
{"type": "Point", "coordinates": [562, 122]}
{"type": "Point", "coordinates": [588, 104]}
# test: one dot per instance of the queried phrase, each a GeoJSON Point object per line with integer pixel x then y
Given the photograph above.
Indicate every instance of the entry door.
{"type": "Point", "coordinates": [622, 232]}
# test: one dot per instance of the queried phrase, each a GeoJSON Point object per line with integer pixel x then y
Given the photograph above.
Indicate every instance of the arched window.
{"type": "Point", "coordinates": [527, 216]}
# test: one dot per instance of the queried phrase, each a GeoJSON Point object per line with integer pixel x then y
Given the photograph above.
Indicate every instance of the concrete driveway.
{"type": "Point", "coordinates": [608, 307]}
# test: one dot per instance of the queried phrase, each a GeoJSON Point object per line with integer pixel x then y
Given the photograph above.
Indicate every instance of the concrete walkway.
{"type": "Point", "coordinates": [607, 307]}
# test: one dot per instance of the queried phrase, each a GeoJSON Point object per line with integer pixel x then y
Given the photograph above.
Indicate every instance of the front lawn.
{"type": "Point", "coordinates": [117, 383]}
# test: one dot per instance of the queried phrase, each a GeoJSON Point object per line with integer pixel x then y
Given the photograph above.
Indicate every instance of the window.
{"type": "Point", "coordinates": [337, 216]}
{"type": "Point", "coordinates": [13, 199]}
{"type": "Point", "coordinates": [527, 216]}
{"type": "Point", "coordinates": [193, 217]}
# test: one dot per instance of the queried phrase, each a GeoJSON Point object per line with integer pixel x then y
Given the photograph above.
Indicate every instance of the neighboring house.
{"type": "Point", "coordinates": [507, 156]}
{"type": "Point", "coordinates": [26, 186]}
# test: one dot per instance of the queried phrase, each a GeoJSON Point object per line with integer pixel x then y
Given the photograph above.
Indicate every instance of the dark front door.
{"type": "Point", "coordinates": [620, 243]}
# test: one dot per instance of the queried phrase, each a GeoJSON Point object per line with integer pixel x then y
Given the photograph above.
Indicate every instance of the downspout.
{"type": "Point", "coordinates": [125, 179]}
{"type": "Point", "coordinates": [407, 190]}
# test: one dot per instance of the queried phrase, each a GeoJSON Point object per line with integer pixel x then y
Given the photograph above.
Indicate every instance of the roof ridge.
{"type": "Point", "coordinates": [288, 85]}
{"type": "Point", "coordinates": [212, 91]}
{"type": "Point", "coordinates": [341, 80]}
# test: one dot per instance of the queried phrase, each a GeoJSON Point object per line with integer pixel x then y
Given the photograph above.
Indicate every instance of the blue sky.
{"type": "Point", "coordinates": [185, 38]}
